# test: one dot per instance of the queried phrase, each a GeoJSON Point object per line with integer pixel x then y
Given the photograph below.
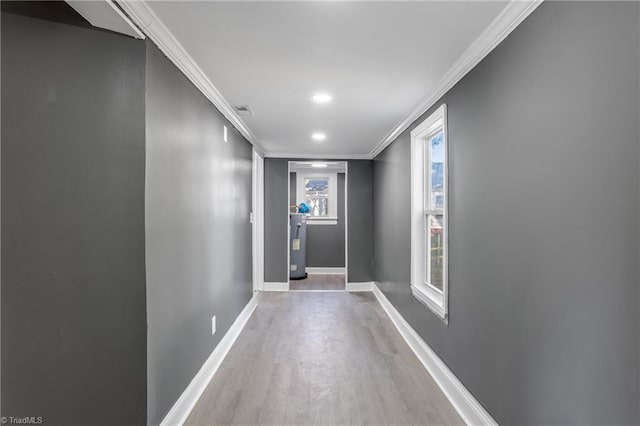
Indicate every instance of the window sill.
{"type": "Point", "coordinates": [433, 299]}
{"type": "Point", "coordinates": [322, 220]}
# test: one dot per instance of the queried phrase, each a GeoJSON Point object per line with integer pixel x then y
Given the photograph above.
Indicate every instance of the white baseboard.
{"type": "Point", "coordinates": [325, 271]}
{"type": "Point", "coordinates": [465, 404]}
{"type": "Point", "coordinates": [276, 286]}
{"type": "Point", "coordinates": [183, 406]}
{"type": "Point", "coordinates": [366, 286]}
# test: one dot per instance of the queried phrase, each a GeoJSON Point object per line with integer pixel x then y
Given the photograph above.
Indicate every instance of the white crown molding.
{"type": "Point", "coordinates": [511, 16]}
{"type": "Point", "coordinates": [142, 15]}
{"type": "Point", "coordinates": [125, 18]}
{"type": "Point", "coordinates": [317, 156]}
{"type": "Point", "coordinates": [471, 411]}
{"type": "Point", "coordinates": [185, 403]}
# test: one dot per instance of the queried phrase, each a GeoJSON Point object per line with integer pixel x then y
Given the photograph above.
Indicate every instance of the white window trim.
{"type": "Point", "coordinates": [332, 219]}
{"type": "Point", "coordinates": [436, 300]}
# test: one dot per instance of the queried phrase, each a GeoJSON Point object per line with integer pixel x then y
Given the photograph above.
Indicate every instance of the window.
{"type": "Point", "coordinates": [319, 191]}
{"type": "Point", "coordinates": [429, 222]}
{"type": "Point", "coordinates": [316, 195]}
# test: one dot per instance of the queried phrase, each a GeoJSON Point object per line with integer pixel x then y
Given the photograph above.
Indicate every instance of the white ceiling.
{"type": "Point", "coordinates": [377, 59]}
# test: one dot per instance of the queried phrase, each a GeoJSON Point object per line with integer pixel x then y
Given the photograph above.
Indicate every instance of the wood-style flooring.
{"type": "Point", "coordinates": [321, 358]}
{"type": "Point", "coordinates": [319, 282]}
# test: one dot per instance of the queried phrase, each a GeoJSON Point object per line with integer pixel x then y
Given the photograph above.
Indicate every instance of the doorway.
{"type": "Point", "coordinates": [317, 231]}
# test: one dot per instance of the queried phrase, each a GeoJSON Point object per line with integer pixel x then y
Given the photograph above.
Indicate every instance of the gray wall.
{"type": "Point", "coordinates": [360, 230]}
{"type": "Point", "coordinates": [275, 220]}
{"type": "Point", "coordinates": [292, 188]}
{"type": "Point", "coordinates": [325, 243]}
{"type": "Point", "coordinates": [544, 210]}
{"type": "Point", "coordinates": [359, 193]}
{"type": "Point", "coordinates": [73, 277]}
{"type": "Point", "coordinates": [198, 199]}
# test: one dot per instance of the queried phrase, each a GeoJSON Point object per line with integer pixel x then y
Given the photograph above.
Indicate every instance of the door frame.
{"type": "Point", "coordinates": [257, 221]}
{"type": "Point", "coordinates": [346, 218]}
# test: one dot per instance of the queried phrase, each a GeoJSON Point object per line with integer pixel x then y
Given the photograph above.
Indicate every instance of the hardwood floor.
{"type": "Point", "coordinates": [319, 282]}
{"type": "Point", "coordinates": [321, 358]}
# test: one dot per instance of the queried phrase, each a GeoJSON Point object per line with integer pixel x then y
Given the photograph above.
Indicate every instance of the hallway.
{"type": "Point", "coordinates": [467, 172]}
{"type": "Point", "coordinates": [321, 358]}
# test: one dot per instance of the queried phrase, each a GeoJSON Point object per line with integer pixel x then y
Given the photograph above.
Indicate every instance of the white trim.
{"type": "Point", "coordinates": [328, 221]}
{"type": "Point", "coordinates": [435, 299]}
{"type": "Point", "coordinates": [316, 291]}
{"type": "Point", "coordinates": [142, 15]}
{"type": "Point", "coordinates": [325, 270]}
{"type": "Point", "coordinates": [331, 166]}
{"type": "Point", "coordinates": [257, 216]}
{"type": "Point", "coordinates": [288, 216]}
{"type": "Point", "coordinates": [332, 177]}
{"type": "Point", "coordinates": [511, 16]}
{"type": "Point", "coordinates": [366, 286]}
{"type": "Point", "coordinates": [307, 156]}
{"type": "Point", "coordinates": [427, 295]}
{"type": "Point", "coordinates": [276, 286]}
{"type": "Point", "coordinates": [462, 400]}
{"type": "Point", "coordinates": [183, 406]}
{"type": "Point", "coordinates": [125, 18]}
{"type": "Point", "coordinates": [346, 222]}
{"type": "Point", "coordinates": [322, 220]}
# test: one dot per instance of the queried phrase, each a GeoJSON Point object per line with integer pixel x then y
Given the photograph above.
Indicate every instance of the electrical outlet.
{"type": "Point", "coordinates": [225, 134]}
{"type": "Point", "coordinates": [213, 325]}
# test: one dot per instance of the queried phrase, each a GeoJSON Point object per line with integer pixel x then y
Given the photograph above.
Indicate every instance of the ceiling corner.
{"type": "Point", "coordinates": [142, 15]}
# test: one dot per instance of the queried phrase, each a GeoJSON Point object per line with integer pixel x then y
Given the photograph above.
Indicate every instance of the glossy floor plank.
{"type": "Point", "coordinates": [319, 282]}
{"type": "Point", "coordinates": [321, 358]}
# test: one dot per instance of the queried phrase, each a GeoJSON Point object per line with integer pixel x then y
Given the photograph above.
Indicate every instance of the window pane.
{"type": "Point", "coordinates": [436, 146]}
{"type": "Point", "coordinates": [435, 250]}
{"type": "Point", "coordinates": [317, 196]}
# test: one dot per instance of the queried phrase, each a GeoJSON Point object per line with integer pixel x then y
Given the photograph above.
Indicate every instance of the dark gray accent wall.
{"type": "Point", "coordinates": [359, 194]}
{"type": "Point", "coordinates": [325, 243]}
{"type": "Point", "coordinates": [198, 200]}
{"type": "Point", "coordinates": [544, 207]}
{"type": "Point", "coordinates": [275, 220]}
{"type": "Point", "coordinates": [73, 276]}
{"type": "Point", "coordinates": [360, 230]}
{"type": "Point", "coordinates": [293, 183]}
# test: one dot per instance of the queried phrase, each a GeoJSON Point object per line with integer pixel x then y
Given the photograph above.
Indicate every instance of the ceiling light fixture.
{"type": "Point", "coordinates": [322, 98]}
{"type": "Point", "coordinates": [318, 136]}
{"type": "Point", "coordinates": [318, 165]}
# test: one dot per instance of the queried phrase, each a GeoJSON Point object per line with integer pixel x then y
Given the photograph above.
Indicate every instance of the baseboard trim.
{"type": "Point", "coordinates": [366, 286]}
{"type": "Point", "coordinates": [276, 286]}
{"type": "Point", "coordinates": [183, 406]}
{"type": "Point", "coordinates": [325, 271]}
{"type": "Point", "coordinates": [462, 400]}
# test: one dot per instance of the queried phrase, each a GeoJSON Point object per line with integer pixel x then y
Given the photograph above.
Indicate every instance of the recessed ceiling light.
{"type": "Point", "coordinates": [318, 136]}
{"type": "Point", "coordinates": [318, 165]}
{"type": "Point", "coordinates": [322, 98]}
